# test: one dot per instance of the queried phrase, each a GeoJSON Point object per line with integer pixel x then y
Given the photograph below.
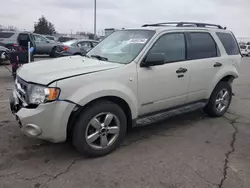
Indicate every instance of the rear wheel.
{"type": "Point", "coordinates": [100, 129]}
{"type": "Point", "coordinates": [220, 100]}
{"type": "Point", "coordinates": [54, 52]}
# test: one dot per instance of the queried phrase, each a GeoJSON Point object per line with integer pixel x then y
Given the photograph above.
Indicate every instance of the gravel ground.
{"type": "Point", "coordinates": [187, 151]}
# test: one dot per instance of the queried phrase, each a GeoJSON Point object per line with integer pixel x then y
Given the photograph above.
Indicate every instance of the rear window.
{"type": "Point", "coordinates": [243, 47]}
{"type": "Point", "coordinates": [248, 43]}
{"type": "Point", "coordinates": [6, 34]}
{"type": "Point", "coordinates": [229, 43]}
{"type": "Point", "coordinates": [201, 45]}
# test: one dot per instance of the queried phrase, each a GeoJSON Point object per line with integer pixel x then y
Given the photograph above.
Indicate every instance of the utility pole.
{"type": "Point", "coordinates": [94, 19]}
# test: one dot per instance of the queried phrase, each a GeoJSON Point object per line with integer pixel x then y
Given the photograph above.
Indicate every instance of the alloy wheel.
{"type": "Point", "coordinates": [222, 100]}
{"type": "Point", "coordinates": [102, 130]}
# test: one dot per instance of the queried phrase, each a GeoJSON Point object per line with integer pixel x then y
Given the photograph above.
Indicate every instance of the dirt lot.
{"type": "Point", "coordinates": [191, 150]}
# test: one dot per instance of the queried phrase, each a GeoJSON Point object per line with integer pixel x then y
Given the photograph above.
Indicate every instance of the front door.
{"type": "Point", "coordinates": [42, 45]}
{"type": "Point", "coordinates": [164, 86]}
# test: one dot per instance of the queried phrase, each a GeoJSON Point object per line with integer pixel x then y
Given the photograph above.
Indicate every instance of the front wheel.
{"type": "Point", "coordinates": [100, 129]}
{"type": "Point", "coordinates": [220, 100]}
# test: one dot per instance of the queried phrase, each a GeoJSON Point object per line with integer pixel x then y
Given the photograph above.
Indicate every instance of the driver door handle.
{"type": "Point", "coordinates": [181, 70]}
{"type": "Point", "coordinates": [217, 64]}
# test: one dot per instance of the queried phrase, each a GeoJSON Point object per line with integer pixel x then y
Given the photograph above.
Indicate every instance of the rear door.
{"type": "Point", "coordinates": [203, 56]}
{"type": "Point", "coordinates": [43, 46]}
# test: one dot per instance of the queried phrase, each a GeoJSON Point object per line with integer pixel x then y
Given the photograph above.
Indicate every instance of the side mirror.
{"type": "Point", "coordinates": [153, 59]}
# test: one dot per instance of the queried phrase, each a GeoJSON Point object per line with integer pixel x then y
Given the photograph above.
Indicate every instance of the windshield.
{"type": "Point", "coordinates": [122, 46]}
{"type": "Point", "coordinates": [69, 43]}
{"type": "Point", "coordinates": [243, 47]}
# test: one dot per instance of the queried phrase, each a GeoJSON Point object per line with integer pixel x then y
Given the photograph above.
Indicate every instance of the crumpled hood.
{"type": "Point", "coordinates": [44, 72]}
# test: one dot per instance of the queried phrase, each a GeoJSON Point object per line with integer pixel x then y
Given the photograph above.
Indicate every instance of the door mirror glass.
{"type": "Point", "coordinates": [153, 59]}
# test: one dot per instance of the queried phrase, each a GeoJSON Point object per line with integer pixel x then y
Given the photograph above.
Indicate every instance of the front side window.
{"type": "Point", "coordinates": [172, 46]}
{"type": "Point", "coordinates": [229, 43]}
{"type": "Point", "coordinates": [39, 38]}
{"type": "Point", "coordinates": [201, 45]}
{"type": "Point", "coordinates": [122, 46]}
{"type": "Point", "coordinates": [84, 44]}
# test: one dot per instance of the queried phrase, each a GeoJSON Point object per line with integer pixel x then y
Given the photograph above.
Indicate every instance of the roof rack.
{"type": "Point", "coordinates": [184, 24]}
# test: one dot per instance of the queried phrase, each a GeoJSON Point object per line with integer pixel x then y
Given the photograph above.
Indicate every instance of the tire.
{"type": "Point", "coordinates": [212, 108]}
{"type": "Point", "coordinates": [77, 54]}
{"type": "Point", "coordinates": [83, 128]}
{"type": "Point", "coordinates": [53, 53]}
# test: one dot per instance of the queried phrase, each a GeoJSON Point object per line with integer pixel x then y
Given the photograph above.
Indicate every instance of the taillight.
{"type": "Point", "coordinates": [65, 48]}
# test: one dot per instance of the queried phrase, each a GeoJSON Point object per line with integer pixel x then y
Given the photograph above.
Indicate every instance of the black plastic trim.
{"type": "Point", "coordinates": [172, 108]}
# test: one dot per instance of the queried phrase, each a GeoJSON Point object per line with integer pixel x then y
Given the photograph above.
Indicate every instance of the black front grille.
{"type": "Point", "coordinates": [22, 88]}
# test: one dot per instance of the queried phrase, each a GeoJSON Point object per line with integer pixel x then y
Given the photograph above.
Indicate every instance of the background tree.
{"type": "Point", "coordinates": [44, 27]}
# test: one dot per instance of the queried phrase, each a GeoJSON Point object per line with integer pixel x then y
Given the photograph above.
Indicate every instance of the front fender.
{"type": "Point", "coordinates": [90, 92]}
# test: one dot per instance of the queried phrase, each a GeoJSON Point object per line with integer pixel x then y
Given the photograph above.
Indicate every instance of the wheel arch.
{"type": "Point", "coordinates": [225, 78]}
{"type": "Point", "coordinates": [115, 99]}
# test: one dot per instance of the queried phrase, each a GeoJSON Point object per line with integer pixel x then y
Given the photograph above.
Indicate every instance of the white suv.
{"type": "Point", "coordinates": [133, 77]}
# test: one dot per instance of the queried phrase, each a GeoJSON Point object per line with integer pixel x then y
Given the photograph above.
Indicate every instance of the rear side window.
{"type": "Point", "coordinates": [6, 34]}
{"type": "Point", "coordinates": [200, 46]}
{"type": "Point", "coordinates": [248, 47]}
{"type": "Point", "coordinates": [243, 47]}
{"type": "Point", "coordinates": [229, 43]}
{"type": "Point", "coordinates": [172, 46]}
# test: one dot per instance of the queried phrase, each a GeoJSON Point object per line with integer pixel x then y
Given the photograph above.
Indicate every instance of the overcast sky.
{"type": "Point", "coordinates": [77, 15]}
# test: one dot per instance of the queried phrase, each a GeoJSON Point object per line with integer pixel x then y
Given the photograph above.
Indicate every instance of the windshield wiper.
{"type": "Point", "coordinates": [100, 57]}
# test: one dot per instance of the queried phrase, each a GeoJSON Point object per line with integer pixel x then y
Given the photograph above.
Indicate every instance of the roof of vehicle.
{"type": "Point", "coordinates": [181, 26]}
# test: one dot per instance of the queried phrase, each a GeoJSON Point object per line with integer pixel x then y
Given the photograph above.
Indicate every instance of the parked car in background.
{"type": "Point", "coordinates": [3, 53]}
{"type": "Point", "coordinates": [242, 43]}
{"type": "Point", "coordinates": [17, 40]}
{"type": "Point", "coordinates": [65, 39]}
{"type": "Point", "coordinates": [46, 46]}
{"type": "Point", "coordinates": [78, 47]}
{"type": "Point", "coordinates": [245, 50]}
{"type": "Point", "coordinates": [51, 37]}
{"type": "Point", "coordinates": [41, 44]}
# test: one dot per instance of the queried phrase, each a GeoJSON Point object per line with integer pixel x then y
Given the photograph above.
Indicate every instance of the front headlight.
{"type": "Point", "coordinates": [40, 94]}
